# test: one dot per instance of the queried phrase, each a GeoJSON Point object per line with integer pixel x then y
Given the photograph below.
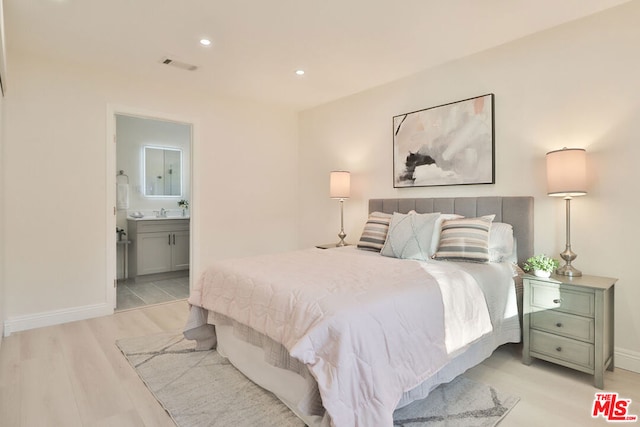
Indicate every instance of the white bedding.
{"type": "Point", "coordinates": [321, 305]}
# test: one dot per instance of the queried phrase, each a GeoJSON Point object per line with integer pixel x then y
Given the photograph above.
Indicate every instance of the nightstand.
{"type": "Point", "coordinates": [330, 246]}
{"type": "Point", "coordinates": [569, 321]}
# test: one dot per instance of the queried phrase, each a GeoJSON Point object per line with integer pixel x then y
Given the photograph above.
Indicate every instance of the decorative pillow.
{"type": "Point", "coordinates": [410, 236]}
{"type": "Point", "coordinates": [465, 239]}
{"type": "Point", "coordinates": [375, 231]}
{"type": "Point", "coordinates": [435, 241]}
{"type": "Point", "coordinates": [500, 242]}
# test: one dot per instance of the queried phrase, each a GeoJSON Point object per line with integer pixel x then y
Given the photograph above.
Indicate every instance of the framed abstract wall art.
{"type": "Point", "coordinates": [451, 144]}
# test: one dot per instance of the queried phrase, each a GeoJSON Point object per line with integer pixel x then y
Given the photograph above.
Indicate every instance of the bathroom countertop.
{"type": "Point", "coordinates": [154, 218]}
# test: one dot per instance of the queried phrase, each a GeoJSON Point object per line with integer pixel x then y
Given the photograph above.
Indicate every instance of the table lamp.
{"type": "Point", "coordinates": [340, 188]}
{"type": "Point", "coordinates": [567, 178]}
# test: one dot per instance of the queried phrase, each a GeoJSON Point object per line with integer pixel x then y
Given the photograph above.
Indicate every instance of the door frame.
{"type": "Point", "coordinates": [111, 249]}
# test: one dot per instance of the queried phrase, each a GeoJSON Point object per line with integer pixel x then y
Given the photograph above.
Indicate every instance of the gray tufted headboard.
{"type": "Point", "coordinates": [517, 211]}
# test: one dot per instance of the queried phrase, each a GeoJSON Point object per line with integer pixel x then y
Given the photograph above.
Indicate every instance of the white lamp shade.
{"type": "Point", "coordinates": [567, 172]}
{"type": "Point", "coordinates": [339, 185]}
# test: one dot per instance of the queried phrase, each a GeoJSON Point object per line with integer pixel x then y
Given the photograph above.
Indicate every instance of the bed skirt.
{"type": "Point", "coordinates": [268, 363]}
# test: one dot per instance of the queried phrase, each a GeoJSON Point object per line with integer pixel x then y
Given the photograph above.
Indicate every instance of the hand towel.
{"type": "Point", "coordinates": [122, 197]}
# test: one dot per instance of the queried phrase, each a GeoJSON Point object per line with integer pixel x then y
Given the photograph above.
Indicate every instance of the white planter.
{"type": "Point", "coordinates": [540, 273]}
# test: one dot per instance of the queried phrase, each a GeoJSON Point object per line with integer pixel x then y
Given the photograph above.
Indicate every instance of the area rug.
{"type": "Point", "coordinates": [201, 388]}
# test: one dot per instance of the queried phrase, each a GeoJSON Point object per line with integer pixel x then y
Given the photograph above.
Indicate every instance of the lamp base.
{"type": "Point", "coordinates": [341, 234]}
{"type": "Point", "coordinates": [568, 255]}
{"type": "Point", "coordinates": [569, 270]}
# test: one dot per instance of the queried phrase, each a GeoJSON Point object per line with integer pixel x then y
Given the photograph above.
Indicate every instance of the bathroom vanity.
{"type": "Point", "coordinates": [158, 245]}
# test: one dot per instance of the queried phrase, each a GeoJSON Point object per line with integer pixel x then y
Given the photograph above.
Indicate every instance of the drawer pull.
{"type": "Point", "coordinates": [558, 349]}
{"type": "Point", "coordinates": [557, 300]}
{"type": "Point", "coordinates": [559, 325]}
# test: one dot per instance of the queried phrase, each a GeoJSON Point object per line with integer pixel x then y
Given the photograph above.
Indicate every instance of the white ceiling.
{"type": "Point", "coordinates": [345, 46]}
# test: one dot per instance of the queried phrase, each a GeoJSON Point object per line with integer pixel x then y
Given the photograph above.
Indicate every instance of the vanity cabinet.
{"type": "Point", "coordinates": [158, 246]}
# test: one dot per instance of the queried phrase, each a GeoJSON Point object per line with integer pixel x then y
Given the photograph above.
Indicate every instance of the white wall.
{"type": "Point", "coordinates": [55, 200]}
{"type": "Point", "coordinates": [576, 85]}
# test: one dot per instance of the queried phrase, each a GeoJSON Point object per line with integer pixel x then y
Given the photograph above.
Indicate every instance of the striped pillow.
{"type": "Point", "coordinates": [465, 239]}
{"type": "Point", "coordinates": [375, 231]}
{"type": "Point", "coordinates": [435, 240]}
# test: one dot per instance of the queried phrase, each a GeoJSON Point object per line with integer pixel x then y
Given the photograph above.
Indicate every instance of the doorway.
{"type": "Point", "coordinates": [152, 180]}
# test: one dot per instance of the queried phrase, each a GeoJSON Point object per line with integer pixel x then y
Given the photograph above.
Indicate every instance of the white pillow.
{"type": "Point", "coordinates": [410, 235]}
{"type": "Point", "coordinates": [501, 246]}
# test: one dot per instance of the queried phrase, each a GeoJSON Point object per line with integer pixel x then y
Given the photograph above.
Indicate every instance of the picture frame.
{"type": "Point", "coordinates": [450, 144]}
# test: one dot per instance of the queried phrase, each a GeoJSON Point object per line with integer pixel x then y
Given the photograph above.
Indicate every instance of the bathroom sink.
{"type": "Point", "coordinates": [166, 217]}
{"type": "Point", "coordinates": [169, 215]}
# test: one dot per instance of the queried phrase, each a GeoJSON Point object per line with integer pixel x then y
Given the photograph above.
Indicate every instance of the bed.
{"type": "Point", "coordinates": [345, 336]}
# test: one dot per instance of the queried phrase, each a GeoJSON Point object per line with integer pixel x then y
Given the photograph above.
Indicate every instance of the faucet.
{"type": "Point", "coordinates": [163, 212]}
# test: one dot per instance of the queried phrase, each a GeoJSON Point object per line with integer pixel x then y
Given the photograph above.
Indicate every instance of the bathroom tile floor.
{"type": "Point", "coordinates": [132, 295]}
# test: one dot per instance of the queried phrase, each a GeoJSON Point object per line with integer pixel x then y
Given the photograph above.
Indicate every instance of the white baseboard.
{"type": "Point", "coordinates": [56, 317]}
{"type": "Point", "coordinates": [627, 359]}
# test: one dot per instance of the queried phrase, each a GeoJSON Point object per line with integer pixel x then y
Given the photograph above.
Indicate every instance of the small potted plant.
{"type": "Point", "coordinates": [184, 205]}
{"type": "Point", "coordinates": [541, 265]}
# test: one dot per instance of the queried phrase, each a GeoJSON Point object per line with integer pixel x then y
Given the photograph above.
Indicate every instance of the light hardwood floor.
{"type": "Point", "coordinates": [74, 375]}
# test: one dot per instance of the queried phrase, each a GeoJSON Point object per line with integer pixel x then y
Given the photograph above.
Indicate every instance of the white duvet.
{"type": "Point", "coordinates": [368, 327]}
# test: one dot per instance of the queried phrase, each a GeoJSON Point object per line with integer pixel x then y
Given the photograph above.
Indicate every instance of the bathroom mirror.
{"type": "Point", "coordinates": [162, 171]}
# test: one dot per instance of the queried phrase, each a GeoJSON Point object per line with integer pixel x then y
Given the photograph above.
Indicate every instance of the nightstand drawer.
{"type": "Point", "coordinates": [545, 295]}
{"type": "Point", "coordinates": [561, 348]}
{"type": "Point", "coordinates": [582, 328]}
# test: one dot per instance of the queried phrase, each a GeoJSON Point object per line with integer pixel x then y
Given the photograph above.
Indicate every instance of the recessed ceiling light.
{"type": "Point", "coordinates": [300, 72]}
{"type": "Point", "coordinates": [205, 42]}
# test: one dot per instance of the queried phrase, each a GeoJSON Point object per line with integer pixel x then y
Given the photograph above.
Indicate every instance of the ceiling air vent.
{"type": "Point", "coordinates": [178, 64]}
